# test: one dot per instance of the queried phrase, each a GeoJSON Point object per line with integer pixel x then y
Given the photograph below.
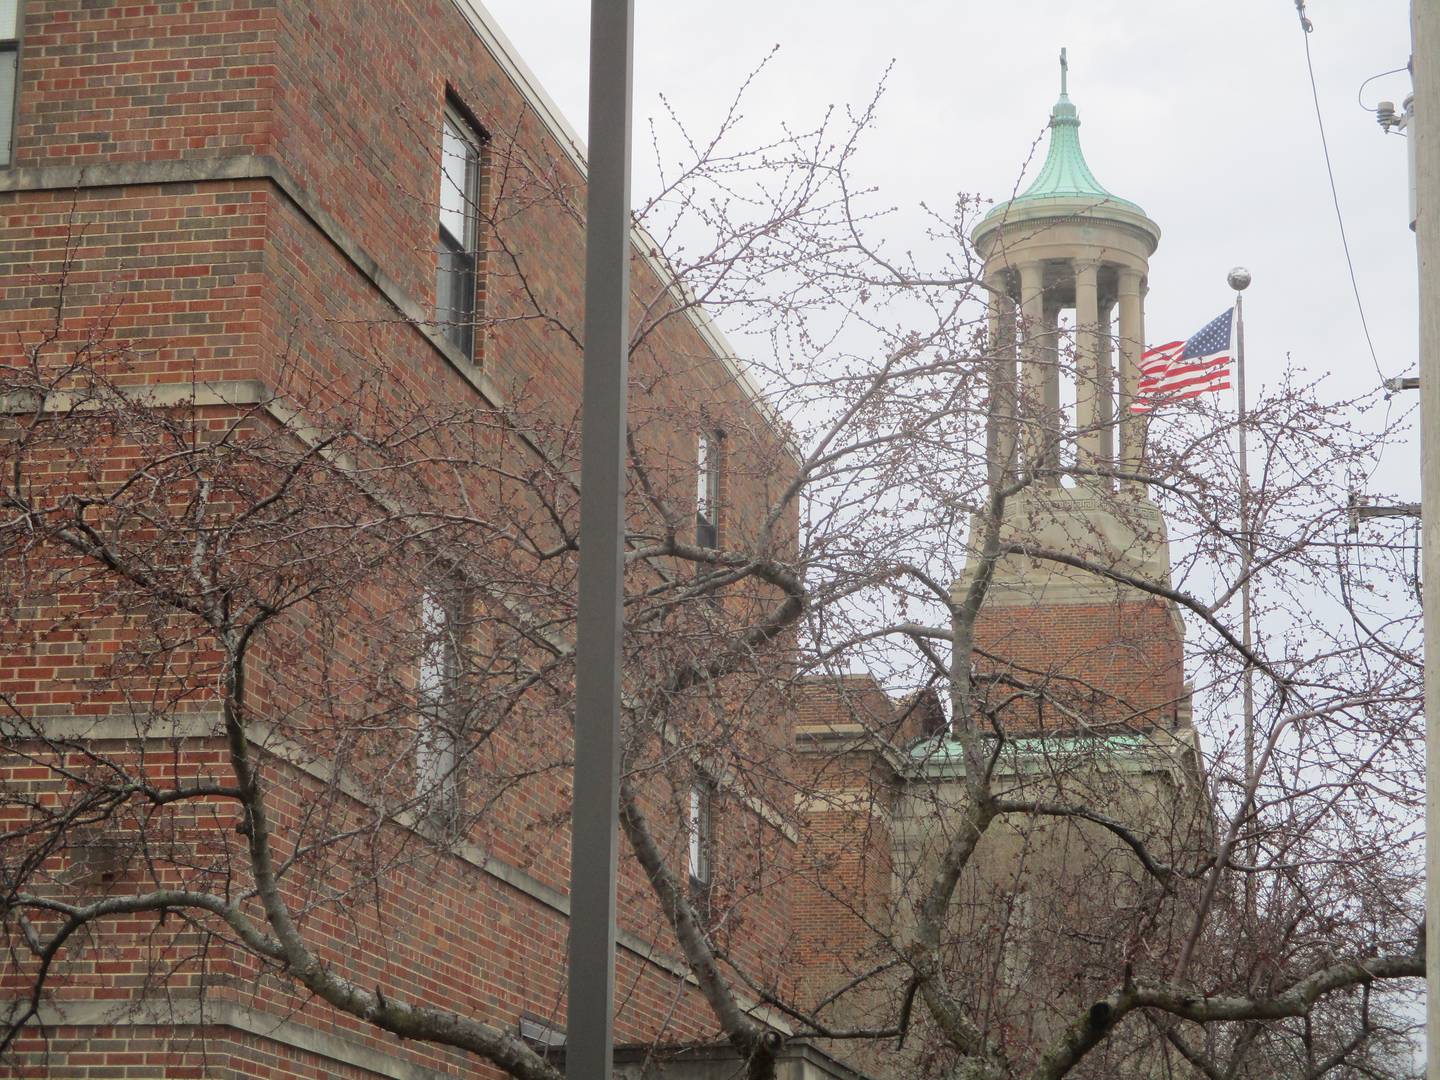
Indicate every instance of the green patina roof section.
{"type": "Point", "coordinates": [1065, 175]}
{"type": "Point", "coordinates": [941, 752]}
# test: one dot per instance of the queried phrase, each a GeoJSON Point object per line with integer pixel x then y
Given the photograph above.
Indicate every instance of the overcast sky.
{"type": "Point", "coordinates": [1199, 112]}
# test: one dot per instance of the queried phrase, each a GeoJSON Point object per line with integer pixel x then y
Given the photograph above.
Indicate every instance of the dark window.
{"type": "Point", "coordinates": [699, 828]}
{"type": "Point", "coordinates": [543, 1035]}
{"type": "Point", "coordinates": [9, 75]}
{"type": "Point", "coordinates": [707, 490]}
{"type": "Point", "coordinates": [437, 684]}
{"type": "Point", "coordinates": [458, 257]}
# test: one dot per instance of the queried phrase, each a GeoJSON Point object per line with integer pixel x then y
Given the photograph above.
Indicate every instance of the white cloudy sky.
{"type": "Point", "coordinates": [1199, 111]}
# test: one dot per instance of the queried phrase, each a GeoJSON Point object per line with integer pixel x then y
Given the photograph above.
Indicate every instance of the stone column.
{"type": "Point", "coordinates": [1033, 362]}
{"type": "Point", "coordinates": [1088, 451]}
{"type": "Point", "coordinates": [1052, 419]}
{"type": "Point", "coordinates": [1132, 336]}
{"type": "Point", "coordinates": [1000, 439]}
{"type": "Point", "coordinates": [1105, 370]}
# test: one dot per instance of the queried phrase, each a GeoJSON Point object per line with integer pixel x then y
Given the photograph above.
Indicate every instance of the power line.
{"type": "Point", "coordinates": [1307, 27]}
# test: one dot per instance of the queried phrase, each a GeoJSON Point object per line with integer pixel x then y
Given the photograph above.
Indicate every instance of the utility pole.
{"type": "Point", "coordinates": [594, 848]}
{"type": "Point", "coordinates": [1424, 135]}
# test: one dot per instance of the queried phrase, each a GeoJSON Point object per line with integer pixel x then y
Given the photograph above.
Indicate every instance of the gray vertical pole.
{"type": "Point", "coordinates": [1424, 135]}
{"type": "Point", "coordinates": [599, 623]}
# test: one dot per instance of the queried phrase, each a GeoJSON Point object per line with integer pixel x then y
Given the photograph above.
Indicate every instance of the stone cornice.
{"type": "Point", "coordinates": [1037, 222]}
{"type": "Point", "coordinates": [644, 245]}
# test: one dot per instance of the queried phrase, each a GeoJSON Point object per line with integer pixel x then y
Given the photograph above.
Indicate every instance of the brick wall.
{"type": "Point", "coordinates": [1102, 664]}
{"type": "Point", "coordinates": [257, 207]}
{"type": "Point", "coordinates": [844, 900]}
{"type": "Point", "coordinates": [102, 83]}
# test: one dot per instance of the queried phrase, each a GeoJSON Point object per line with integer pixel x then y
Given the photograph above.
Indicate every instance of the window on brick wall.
{"type": "Point", "coordinates": [707, 489]}
{"type": "Point", "coordinates": [9, 75]}
{"type": "Point", "coordinates": [458, 259]}
{"type": "Point", "coordinates": [442, 615]}
{"type": "Point", "coordinates": [700, 829]}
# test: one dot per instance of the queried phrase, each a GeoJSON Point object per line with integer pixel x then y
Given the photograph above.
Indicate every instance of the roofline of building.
{"type": "Point", "coordinates": [941, 756]}
{"type": "Point", "coordinates": [533, 92]}
{"type": "Point", "coordinates": [847, 676]}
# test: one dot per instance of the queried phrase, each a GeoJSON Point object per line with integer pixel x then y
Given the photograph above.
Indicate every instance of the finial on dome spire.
{"type": "Point", "coordinates": [1064, 174]}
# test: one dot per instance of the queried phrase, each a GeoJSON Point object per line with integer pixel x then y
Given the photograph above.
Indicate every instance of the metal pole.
{"type": "Point", "coordinates": [600, 618]}
{"type": "Point", "coordinates": [1424, 137]}
{"type": "Point", "coordinates": [1239, 279]}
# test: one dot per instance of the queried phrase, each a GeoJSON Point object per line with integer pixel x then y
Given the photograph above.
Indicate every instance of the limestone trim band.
{"type": "Point", "coordinates": [180, 1013]}
{"type": "Point", "coordinates": [251, 393]}
{"type": "Point", "coordinates": [192, 1013]}
{"type": "Point", "coordinates": [210, 725]}
{"type": "Point", "coordinates": [269, 170]}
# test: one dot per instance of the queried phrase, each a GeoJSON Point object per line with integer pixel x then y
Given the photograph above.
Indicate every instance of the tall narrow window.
{"type": "Point", "coordinates": [436, 754]}
{"type": "Point", "coordinates": [9, 75]}
{"type": "Point", "coordinates": [707, 491]}
{"type": "Point", "coordinates": [458, 258]}
{"type": "Point", "coordinates": [699, 828]}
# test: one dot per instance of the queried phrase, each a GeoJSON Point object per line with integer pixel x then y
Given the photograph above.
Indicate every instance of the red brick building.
{"type": "Point", "coordinates": [269, 268]}
{"type": "Point", "coordinates": [291, 301]}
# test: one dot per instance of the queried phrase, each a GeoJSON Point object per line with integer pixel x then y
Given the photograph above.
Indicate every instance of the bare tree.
{"type": "Point", "coordinates": [311, 639]}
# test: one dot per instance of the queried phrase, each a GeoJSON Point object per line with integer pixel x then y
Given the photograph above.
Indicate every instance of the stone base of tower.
{"type": "Point", "coordinates": [1066, 648]}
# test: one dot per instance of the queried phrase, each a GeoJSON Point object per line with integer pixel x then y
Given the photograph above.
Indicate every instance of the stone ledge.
{"type": "Point", "coordinates": [173, 1014]}
{"type": "Point", "coordinates": [164, 395]}
{"type": "Point", "coordinates": [201, 725]}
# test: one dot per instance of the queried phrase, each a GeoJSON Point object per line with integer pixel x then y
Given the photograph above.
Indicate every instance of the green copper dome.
{"type": "Point", "coordinates": [1065, 174]}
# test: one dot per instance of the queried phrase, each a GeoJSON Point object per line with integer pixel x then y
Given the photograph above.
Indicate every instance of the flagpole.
{"type": "Point", "coordinates": [1239, 280]}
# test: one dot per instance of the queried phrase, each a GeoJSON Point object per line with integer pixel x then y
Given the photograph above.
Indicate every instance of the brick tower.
{"type": "Point", "coordinates": [1103, 653]}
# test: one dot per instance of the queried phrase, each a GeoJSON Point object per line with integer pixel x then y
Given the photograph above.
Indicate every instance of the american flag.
{"type": "Point", "coordinates": [1185, 369]}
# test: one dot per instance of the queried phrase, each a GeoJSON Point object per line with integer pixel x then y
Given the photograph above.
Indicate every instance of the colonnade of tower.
{"type": "Point", "coordinates": [1067, 243]}
{"type": "Point", "coordinates": [1026, 300]}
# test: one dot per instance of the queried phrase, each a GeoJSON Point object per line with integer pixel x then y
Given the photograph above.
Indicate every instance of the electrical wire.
{"type": "Point", "coordinates": [1334, 192]}
{"type": "Point", "coordinates": [1360, 100]}
{"type": "Point", "coordinates": [1384, 426]}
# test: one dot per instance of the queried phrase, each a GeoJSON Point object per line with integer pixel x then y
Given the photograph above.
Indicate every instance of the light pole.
{"type": "Point", "coordinates": [600, 616]}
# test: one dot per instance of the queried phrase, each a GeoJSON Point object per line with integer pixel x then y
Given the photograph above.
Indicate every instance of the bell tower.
{"type": "Point", "coordinates": [1105, 652]}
